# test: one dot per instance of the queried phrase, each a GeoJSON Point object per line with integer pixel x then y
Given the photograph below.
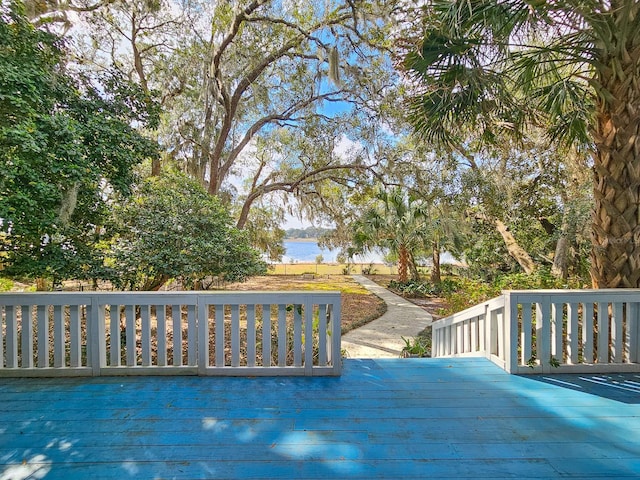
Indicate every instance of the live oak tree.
{"type": "Point", "coordinates": [572, 67]}
{"type": "Point", "coordinates": [248, 86]}
{"type": "Point", "coordinates": [66, 144]}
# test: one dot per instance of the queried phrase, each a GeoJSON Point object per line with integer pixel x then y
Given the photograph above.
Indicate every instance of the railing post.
{"type": "Point", "coordinates": [488, 331]}
{"type": "Point", "coordinates": [634, 331]}
{"type": "Point", "coordinates": [510, 317]}
{"type": "Point", "coordinates": [96, 336]}
{"type": "Point", "coordinates": [336, 333]}
{"type": "Point", "coordinates": [543, 333]}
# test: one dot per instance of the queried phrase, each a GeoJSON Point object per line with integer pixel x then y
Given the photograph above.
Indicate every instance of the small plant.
{"type": "Point", "coordinates": [554, 362]}
{"type": "Point", "coordinates": [5, 284]}
{"type": "Point", "coordinates": [368, 270]}
{"type": "Point", "coordinates": [415, 347]}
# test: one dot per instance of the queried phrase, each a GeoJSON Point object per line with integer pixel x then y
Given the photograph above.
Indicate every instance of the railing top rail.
{"type": "Point", "coordinates": [202, 293]}
{"type": "Point", "coordinates": [599, 291]}
{"type": "Point", "coordinates": [471, 312]}
{"type": "Point", "coordinates": [576, 296]}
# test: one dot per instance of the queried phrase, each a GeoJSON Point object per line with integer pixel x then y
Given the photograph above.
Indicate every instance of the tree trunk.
{"type": "Point", "coordinates": [560, 267]}
{"type": "Point", "coordinates": [435, 269]}
{"type": "Point", "coordinates": [403, 262]}
{"type": "Point", "coordinates": [615, 255]}
{"type": "Point", "coordinates": [515, 250]}
{"type": "Point", "coordinates": [413, 269]}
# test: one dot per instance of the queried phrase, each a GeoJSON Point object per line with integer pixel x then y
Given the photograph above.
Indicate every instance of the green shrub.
{"type": "Point", "coordinates": [416, 289]}
{"type": "Point", "coordinates": [5, 284]}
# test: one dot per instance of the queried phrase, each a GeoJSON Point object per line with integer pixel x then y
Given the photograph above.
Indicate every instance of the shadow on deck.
{"type": "Point", "coordinates": [388, 418]}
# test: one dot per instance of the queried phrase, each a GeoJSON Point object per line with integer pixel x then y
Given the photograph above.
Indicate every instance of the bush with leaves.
{"type": "Point", "coordinates": [173, 229]}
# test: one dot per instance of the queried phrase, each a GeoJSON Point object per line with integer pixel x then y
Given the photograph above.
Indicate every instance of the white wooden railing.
{"type": "Point", "coordinates": [544, 331]}
{"type": "Point", "coordinates": [156, 333]}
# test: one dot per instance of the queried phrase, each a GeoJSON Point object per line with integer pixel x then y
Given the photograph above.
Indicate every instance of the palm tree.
{"type": "Point", "coordinates": [396, 222]}
{"type": "Point", "coordinates": [572, 66]}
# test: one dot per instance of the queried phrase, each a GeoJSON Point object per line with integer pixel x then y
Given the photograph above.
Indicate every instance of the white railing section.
{"type": "Point", "coordinates": [545, 331]}
{"type": "Point", "coordinates": [157, 333]}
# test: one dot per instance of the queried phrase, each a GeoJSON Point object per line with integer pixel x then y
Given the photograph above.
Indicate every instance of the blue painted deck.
{"type": "Point", "coordinates": [390, 418]}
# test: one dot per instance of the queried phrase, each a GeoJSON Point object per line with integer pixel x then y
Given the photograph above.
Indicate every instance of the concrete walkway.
{"type": "Point", "coordinates": [382, 338]}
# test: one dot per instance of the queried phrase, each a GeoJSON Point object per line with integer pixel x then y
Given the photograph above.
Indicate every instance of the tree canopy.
{"type": "Point", "coordinates": [569, 67]}
{"type": "Point", "coordinates": [67, 142]}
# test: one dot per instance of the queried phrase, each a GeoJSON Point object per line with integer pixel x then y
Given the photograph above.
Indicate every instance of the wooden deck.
{"type": "Point", "coordinates": [390, 418]}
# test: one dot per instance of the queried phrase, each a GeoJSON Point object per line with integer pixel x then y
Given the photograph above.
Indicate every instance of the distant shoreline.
{"type": "Point", "coordinates": [306, 240]}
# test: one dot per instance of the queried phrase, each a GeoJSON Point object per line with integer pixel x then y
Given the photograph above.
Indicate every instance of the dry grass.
{"type": "Point", "coordinates": [328, 268]}
{"type": "Point", "coordinates": [359, 306]}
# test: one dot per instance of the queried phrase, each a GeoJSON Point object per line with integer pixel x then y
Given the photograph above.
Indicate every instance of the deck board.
{"type": "Point", "coordinates": [385, 418]}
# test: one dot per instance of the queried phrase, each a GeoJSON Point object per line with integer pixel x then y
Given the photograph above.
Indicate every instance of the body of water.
{"type": "Point", "coordinates": [302, 251]}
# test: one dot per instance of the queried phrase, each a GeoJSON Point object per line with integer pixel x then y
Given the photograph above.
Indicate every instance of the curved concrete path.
{"type": "Point", "coordinates": [382, 338]}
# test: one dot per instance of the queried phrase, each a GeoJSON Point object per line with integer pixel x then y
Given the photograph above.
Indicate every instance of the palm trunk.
{"type": "Point", "coordinates": [403, 263]}
{"type": "Point", "coordinates": [615, 256]}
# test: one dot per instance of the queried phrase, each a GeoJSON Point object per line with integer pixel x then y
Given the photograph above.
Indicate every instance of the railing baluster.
{"type": "Point", "coordinates": [557, 320]}
{"type": "Point", "coordinates": [235, 335]}
{"type": "Point", "coordinates": [75, 337]}
{"type": "Point", "coordinates": [115, 339]}
{"type": "Point", "coordinates": [251, 335]}
{"type": "Point", "coordinates": [572, 333]}
{"type": "Point", "coordinates": [603, 332]}
{"type": "Point", "coordinates": [282, 335]}
{"type": "Point", "coordinates": [322, 335]}
{"type": "Point", "coordinates": [220, 336]}
{"type": "Point", "coordinates": [58, 337]}
{"type": "Point", "coordinates": [633, 332]}
{"type": "Point", "coordinates": [587, 333]}
{"type": "Point", "coordinates": [43, 336]}
{"type": "Point", "coordinates": [543, 332]}
{"type": "Point", "coordinates": [308, 337]}
{"type": "Point", "coordinates": [12, 337]}
{"type": "Point", "coordinates": [617, 323]}
{"type": "Point", "coordinates": [161, 335]}
{"type": "Point", "coordinates": [525, 335]}
{"type": "Point", "coordinates": [176, 316]}
{"type": "Point", "coordinates": [297, 335]}
{"type": "Point", "coordinates": [145, 334]}
{"type": "Point", "coordinates": [130, 322]}
{"type": "Point", "coordinates": [192, 336]}
{"type": "Point", "coordinates": [26, 325]}
{"type": "Point", "coordinates": [266, 335]}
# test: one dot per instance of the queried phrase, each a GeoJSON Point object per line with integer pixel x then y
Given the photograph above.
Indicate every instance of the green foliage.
{"type": "Point", "coordinates": [172, 228]}
{"type": "Point", "coordinates": [416, 347]}
{"type": "Point", "coordinates": [467, 292]}
{"type": "Point", "coordinates": [415, 289]}
{"type": "Point", "coordinates": [265, 234]}
{"type": "Point", "coordinates": [6, 284]}
{"type": "Point", "coordinates": [66, 144]}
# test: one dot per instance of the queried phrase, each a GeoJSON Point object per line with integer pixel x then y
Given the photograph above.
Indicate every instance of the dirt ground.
{"type": "Point", "coordinates": [359, 306]}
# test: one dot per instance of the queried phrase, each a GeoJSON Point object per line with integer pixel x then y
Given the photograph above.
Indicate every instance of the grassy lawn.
{"type": "Point", "coordinates": [328, 268]}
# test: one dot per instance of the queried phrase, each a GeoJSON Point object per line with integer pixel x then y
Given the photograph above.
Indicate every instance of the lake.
{"type": "Point", "coordinates": [306, 251]}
